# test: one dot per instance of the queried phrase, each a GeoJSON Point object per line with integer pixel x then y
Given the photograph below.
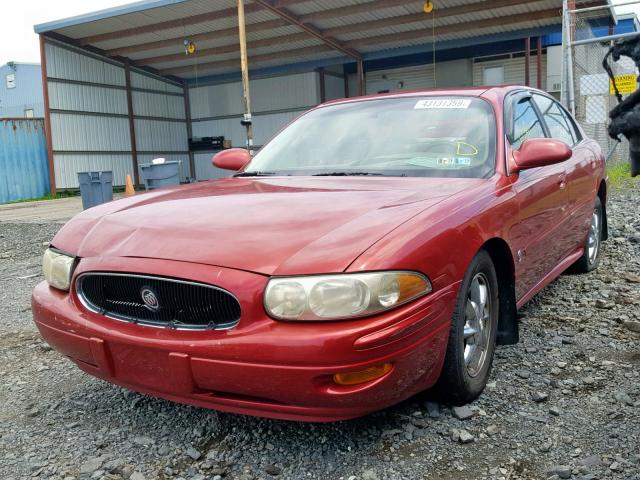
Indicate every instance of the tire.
{"type": "Point", "coordinates": [462, 380]}
{"type": "Point", "coordinates": [593, 244]}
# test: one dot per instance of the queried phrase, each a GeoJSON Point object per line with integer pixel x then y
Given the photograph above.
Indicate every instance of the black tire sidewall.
{"type": "Point", "coordinates": [455, 382]}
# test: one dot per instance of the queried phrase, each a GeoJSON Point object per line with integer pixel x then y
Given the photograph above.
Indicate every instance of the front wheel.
{"type": "Point", "coordinates": [472, 338]}
{"type": "Point", "coordinates": [593, 245]}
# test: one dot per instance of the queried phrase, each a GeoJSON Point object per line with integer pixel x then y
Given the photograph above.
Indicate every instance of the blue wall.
{"type": "Point", "coordinates": [24, 169]}
{"type": "Point", "coordinates": [26, 95]}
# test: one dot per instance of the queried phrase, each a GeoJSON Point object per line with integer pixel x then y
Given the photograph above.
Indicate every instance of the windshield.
{"type": "Point", "coordinates": [412, 136]}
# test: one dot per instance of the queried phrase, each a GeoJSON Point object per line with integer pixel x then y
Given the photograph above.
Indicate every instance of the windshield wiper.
{"type": "Point", "coordinates": [255, 174]}
{"type": "Point", "coordinates": [345, 174]}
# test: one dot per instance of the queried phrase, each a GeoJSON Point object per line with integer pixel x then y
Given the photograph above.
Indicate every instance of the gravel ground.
{"type": "Point", "coordinates": [564, 403]}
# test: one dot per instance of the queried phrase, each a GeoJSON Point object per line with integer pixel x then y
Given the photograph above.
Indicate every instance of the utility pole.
{"type": "Point", "coordinates": [244, 64]}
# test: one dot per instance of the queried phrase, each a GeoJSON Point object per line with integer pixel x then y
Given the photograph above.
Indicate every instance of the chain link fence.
{"type": "Point", "coordinates": [587, 90]}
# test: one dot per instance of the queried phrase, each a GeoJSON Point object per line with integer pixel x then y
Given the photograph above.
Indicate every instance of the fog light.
{"type": "Point", "coordinates": [362, 376]}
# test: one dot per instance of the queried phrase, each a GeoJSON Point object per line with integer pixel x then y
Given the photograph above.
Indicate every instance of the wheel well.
{"type": "Point", "coordinates": [602, 193]}
{"type": "Point", "coordinates": [498, 250]}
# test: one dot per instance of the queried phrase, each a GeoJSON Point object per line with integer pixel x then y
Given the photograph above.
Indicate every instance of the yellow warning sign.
{"type": "Point", "coordinates": [625, 83]}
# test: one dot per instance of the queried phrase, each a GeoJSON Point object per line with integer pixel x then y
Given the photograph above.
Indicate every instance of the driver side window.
{"type": "Point", "coordinates": [526, 123]}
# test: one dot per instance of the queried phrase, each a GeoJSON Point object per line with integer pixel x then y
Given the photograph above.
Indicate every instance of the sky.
{"type": "Point", "coordinates": [19, 43]}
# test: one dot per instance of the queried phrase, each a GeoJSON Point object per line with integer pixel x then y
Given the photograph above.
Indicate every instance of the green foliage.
{"type": "Point", "coordinates": [48, 196]}
{"type": "Point", "coordinates": [620, 175]}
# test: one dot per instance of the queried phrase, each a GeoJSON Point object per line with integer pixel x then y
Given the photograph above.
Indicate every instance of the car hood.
{"type": "Point", "coordinates": [273, 226]}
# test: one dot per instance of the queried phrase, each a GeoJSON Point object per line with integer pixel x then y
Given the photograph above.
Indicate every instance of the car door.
{"type": "Point", "coordinates": [579, 169]}
{"type": "Point", "coordinates": [542, 200]}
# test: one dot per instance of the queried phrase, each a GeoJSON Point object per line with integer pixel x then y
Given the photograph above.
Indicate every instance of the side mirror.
{"type": "Point", "coordinates": [232, 159]}
{"type": "Point", "coordinates": [540, 152]}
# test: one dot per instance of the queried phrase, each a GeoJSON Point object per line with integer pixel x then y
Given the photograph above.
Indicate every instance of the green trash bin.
{"type": "Point", "coordinates": [95, 188]}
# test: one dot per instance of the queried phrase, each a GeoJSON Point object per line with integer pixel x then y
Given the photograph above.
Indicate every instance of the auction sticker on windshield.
{"type": "Point", "coordinates": [434, 103]}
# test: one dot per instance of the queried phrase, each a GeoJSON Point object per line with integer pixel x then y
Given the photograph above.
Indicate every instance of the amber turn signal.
{"type": "Point", "coordinates": [362, 376]}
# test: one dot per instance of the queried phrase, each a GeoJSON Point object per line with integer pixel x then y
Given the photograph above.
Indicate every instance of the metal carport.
{"type": "Point", "coordinates": [119, 88]}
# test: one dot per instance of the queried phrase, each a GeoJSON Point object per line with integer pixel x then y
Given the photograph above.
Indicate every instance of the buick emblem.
{"type": "Point", "coordinates": [150, 299]}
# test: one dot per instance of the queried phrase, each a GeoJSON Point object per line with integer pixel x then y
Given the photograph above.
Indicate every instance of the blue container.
{"type": "Point", "coordinates": [24, 168]}
{"type": "Point", "coordinates": [95, 188]}
{"type": "Point", "coordinates": [156, 175]}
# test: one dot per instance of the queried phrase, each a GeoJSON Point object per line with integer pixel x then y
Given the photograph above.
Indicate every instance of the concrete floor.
{"type": "Point", "coordinates": [45, 211]}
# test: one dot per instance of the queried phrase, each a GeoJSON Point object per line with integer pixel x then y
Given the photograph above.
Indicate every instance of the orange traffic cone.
{"type": "Point", "coordinates": [128, 189]}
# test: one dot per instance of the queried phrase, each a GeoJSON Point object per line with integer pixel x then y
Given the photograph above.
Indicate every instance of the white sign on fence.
{"type": "Point", "coordinates": [597, 84]}
{"type": "Point", "coordinates": [596, 109]}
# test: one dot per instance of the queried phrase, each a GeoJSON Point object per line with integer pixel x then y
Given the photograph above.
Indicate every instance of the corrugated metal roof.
{"type": "Point", "coordinates": [156, 28]}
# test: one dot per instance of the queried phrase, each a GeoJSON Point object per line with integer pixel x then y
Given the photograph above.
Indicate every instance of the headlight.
{"type": "Point", "coordinates": [57, 268]}
{"type": "Point", "coordinates": [348, 295]}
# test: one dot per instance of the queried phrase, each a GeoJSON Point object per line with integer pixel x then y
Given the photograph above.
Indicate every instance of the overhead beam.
{"type": "Point", "coordinates": [260, 26]}
{"type": "Point", "coordinates": [457, 27]}
{"type": "Point", "coordinates": [422, 17]}
{"type": "Point", "coordinates": [229, 48]}
{"type": "Point", "coordinates": [199, 37]}
{"type": "Point", "coordinates": [343, 29]}
{"type": "Point", "coordinates": [381, 39]}
{"type": "Point", "coordinates": [178, 22]}
{"type": "Point", "coordinates": [299, 52]}
{"type": "Point", "coordinates": [311, 29]}
{"type": "Point", "coordinates": [367, 7]}
{"type": "Point", "coordinates": [323, 15]}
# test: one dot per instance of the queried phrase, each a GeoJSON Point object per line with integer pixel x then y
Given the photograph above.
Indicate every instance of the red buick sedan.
{"type": "Point", "coordinates": [375, 248]}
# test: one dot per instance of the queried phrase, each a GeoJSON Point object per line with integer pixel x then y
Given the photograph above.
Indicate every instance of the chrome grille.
{"type": "Point", "coordinates": [158, 301]}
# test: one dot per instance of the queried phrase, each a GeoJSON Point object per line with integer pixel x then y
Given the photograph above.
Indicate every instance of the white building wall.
{"type": "Point", "coordinates": [216, 110]}
{"type": "Point", "coordinates": [265, 126]}
{"type": "Point", "coordinates": [90, 118]}
{"type": "Point", "coordinates": [267, 94]}
{"type": "Point", "coordinates": [451, 74]}
{"type": "Point", "coordinates": [514, 70]}
{"type": "Point", "coordinates": [26, 94]}
{"type": "Point", "coordinates": [333, 87]}
{"type": "Point", "coordinates": [89, 126]}
{"type": "Point", "coordinates": [398, 79]}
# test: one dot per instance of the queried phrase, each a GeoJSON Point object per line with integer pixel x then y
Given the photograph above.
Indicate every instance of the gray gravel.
{"type": "Point", "coordinates": [564, 403]}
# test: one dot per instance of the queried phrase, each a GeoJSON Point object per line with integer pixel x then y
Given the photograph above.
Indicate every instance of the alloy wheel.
{"type": "Point", "coordinates": [477, 327]}
{"type": "Point", "coordinates": [593, 242]}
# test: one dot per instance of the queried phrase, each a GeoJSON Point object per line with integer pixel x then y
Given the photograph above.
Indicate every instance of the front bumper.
{"type": "Point", "coordinates": [261, 367]}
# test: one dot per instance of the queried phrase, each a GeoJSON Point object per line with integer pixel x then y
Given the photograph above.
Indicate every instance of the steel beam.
{"type": "Point", "coordinates": [255, 59]}
{"type": "Point", "coordinates": [187, 116]}
{"type": "Point", "coordinates": [323, 85]}
{"type": "Point", "coordinates": [604, 6]}
{"type": "Point", "coordinates": [458, 27]}
{"type": "Point", "coordinates": [230, 48]}
{"type": "Point", "coordinates": [309, 28]}
{"type": "Point", "coordinates": [360, 74]}
{"type": "Point", "coordinates": [527, 61]}
{"type": "Point", "coordinates": [176, 23]}
{"type": "Point", "coordinates": [47, 115]}
{"type": "Point", "coordinates": [608, 38]}
{"type": "Point", "coordinates": [440, 13]}
{"type": "Point", "coordinates": [331, 32]}
{"type": "Point", "coordinates": [132, 124]}
{"type": "Point", "coordinates": [409, 35]}
{"type": "Point", "coordinates": [231, 32]}
{"type": "Point", "coordinates": [539, 63]}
